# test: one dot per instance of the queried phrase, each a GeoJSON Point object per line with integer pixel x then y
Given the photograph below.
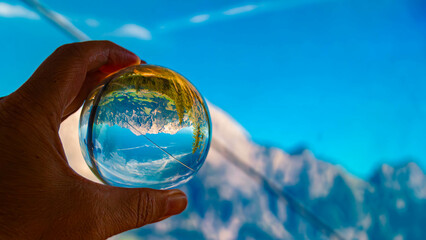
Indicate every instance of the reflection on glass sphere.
{"type": "Point", "coordinates": [145, 126]}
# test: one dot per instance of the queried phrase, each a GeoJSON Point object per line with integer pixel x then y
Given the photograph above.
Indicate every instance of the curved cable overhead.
{"type": "Point", "coordinates": [57, 20]}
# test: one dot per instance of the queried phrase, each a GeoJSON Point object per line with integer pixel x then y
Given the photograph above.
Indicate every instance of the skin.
{"type": "Point", "coordinates": [41, 197]}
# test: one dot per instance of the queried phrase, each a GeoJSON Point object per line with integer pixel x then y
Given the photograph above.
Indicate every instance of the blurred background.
{"type": "Point", "coordinates": [318, 107]}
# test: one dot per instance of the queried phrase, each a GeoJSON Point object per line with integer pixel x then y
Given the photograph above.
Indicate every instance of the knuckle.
{"type": "Point", "coordinates": [107, 43]}
{"type": "Point", "coordinates": [100, 43]}
{"type": "Point", "coordinates": [69, 47]}
{"type": "Point", "coordinates": [73, 49]}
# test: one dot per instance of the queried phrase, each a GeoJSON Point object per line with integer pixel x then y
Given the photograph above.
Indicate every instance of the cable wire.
{"type": "Point", "coordinates": [58, 20]}
{"type": "Point", "coordinates": [159, 147]}
{"type": "Point", "coordinates": [273, 188]}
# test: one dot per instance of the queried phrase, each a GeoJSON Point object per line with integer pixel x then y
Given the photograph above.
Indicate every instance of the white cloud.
{"type": "Point", "coordinates": [234, 12]}
{"type": "Point", "coordinates": [133, 30]}
{"type": "Point", "coordinates": [16, 11]}
{"type": "Point", "coordinates": [400, 203]}
{"type": "Point", "coordinates": [200, 18]}
{"type": "Point", "coordinates": [238, 10]}
{"type": "Point", "coordinates": [398, 237]}
{"type": "Point", "coordinates": [92, 22]}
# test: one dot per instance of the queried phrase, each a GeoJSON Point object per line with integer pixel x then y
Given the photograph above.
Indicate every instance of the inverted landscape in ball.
{"type": "Point", "coordinates": [145, 126]}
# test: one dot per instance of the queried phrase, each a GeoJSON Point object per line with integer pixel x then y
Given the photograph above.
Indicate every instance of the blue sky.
{"type": "Point", "coordinates": [345, 78]}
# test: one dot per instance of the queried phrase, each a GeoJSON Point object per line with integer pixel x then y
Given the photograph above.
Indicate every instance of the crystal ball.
{"type": "Point", "coordinates": [145, 126]}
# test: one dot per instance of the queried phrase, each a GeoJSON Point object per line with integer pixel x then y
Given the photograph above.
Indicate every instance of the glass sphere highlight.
{"type": "Point", "coordinates": [145, 126]}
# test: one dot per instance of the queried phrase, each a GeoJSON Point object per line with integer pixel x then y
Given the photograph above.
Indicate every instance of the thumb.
{"type": "Point", "coordinates": [122, 209]}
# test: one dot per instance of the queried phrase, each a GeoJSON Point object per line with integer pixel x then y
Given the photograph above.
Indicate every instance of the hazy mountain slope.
{"type": "Point", "coordinates": [226, 203]}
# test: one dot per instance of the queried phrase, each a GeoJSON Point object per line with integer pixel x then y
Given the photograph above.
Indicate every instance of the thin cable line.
{"type": "Point", "coordinates": [58, 20]}
{"type": "Point", "coordinates": [159, 147]}
{"type": "Point", "coordinates": [276, 190]}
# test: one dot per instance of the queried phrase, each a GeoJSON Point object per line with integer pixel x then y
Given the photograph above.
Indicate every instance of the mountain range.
{"type": "Point", "coordinates": [226, 202]}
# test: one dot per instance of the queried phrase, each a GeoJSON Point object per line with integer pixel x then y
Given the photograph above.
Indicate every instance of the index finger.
{"type": "Point", "coordinates": [61, 78]}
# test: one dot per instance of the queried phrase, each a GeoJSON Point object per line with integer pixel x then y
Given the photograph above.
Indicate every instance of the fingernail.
{"type": "Point", "coordinates": [176, 202]}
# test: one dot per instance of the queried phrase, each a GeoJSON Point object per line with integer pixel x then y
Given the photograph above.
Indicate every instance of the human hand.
{"type": "Point", "coordinates": [41, 197]}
